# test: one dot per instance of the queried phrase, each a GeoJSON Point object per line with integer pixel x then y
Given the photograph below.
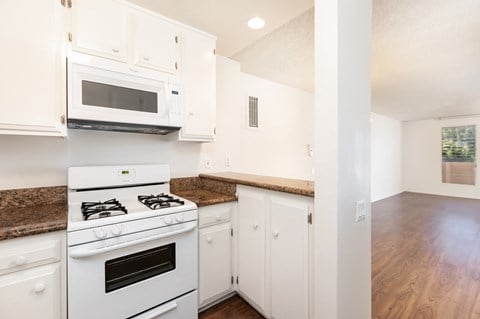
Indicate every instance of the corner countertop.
{"type": "Point", "coordinates": [32, 211]}
{"type": "Point", "coordinates": [286, 185]}
{"type": "Point", "coordinates": [203, 197]}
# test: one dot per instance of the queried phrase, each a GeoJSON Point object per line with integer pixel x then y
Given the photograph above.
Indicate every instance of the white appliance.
{"type": "Point", "coordinates": [115, 96]}
{"type": "Point", "coordinates": [132, 246]}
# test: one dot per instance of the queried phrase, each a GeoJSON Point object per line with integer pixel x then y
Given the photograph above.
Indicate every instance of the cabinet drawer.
{"type": "Point", "coordinates": [22, 253]}
{"type": "Point", "coordinates": [214, 214]}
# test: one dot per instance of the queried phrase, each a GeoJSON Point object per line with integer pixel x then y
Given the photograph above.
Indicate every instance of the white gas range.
{"type": "Point", "coordinates": [132, 246]}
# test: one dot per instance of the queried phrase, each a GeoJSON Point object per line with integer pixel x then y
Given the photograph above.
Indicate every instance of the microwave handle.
{"type": "Point", "coordinates": [157, 312]}
{"type": "Point", "coordinates": [83, 253]}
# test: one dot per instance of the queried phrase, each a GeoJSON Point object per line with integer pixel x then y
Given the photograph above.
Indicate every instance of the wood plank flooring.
{"type": "Point", "coordinates": [232, 308]}
{"type": "Point", "coordinates": [426, 257]}
{"type": "Point", "coordinates": [425, 261]}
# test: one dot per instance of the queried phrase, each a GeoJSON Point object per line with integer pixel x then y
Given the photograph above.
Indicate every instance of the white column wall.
{"type": "Point", "coordinates": [342, 130]}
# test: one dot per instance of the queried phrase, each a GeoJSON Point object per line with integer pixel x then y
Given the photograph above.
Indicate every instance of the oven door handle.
{"type": "Point", "coordinates": [157, 312]}
{"type": "Point", "coordinates": [83, 253]}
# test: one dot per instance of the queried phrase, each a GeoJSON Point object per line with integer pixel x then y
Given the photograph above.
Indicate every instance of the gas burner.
{"type": "Point", "coordinates": [160, 201]}
{"type": "Point", "coordinates": [108, 208]}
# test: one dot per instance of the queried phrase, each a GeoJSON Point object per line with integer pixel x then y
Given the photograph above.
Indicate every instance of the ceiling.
{"type": "Point", "coordinates": [426, 58]}
{"type": "Point", "coordinates": [425, 53]}
{"type": "Point", "coordinates": [282, 55]}
{"type": "Point", "coordinates": [228, 19]}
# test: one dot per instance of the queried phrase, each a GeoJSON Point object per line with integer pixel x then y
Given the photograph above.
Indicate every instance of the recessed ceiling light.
{"type": "Point", "coordinates": [256, 23]}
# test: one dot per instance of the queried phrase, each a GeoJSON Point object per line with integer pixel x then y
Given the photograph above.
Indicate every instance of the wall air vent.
{"type": "Point", "coordinates": [253, 111]}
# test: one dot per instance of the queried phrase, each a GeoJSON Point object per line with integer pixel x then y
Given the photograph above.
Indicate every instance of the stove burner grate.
{"type": "Point", "coordinates": [160, 201]}
{"type": "Point", "coordinates": [108, 208]}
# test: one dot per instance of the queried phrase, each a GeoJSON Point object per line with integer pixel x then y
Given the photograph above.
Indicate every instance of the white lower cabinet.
{"type": "Point", "coordinates": [215, 262]}
{"type": "Point", "coordinates": [33, 293]}
{"type": "Point", "coordinates": [251, 247]}
{"type": "Point", "coordinates": [289, 258]}
{"type": "Point", "coordinates": [274, 252]}
{"type": "Point", "coordinates": [33, 277]}
{"type": "Point", "coordinates": [215, 252]}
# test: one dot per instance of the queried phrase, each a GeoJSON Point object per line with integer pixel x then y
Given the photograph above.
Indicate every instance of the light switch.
{"type": "Point", "coordinates": [361, 210]}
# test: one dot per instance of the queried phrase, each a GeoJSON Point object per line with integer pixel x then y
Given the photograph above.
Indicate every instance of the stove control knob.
{"type": "Point", "coordinates": [179, 218]}
{"type": "Point", "coordinates": [167, 220]}
{"type": "Point", "coordinates": [100, 233]}
{"type": "Point", "coordinates": [117, 230]}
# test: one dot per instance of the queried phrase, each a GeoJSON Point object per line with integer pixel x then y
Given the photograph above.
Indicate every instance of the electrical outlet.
{"type": "Point", "coordinates": [227, 161]}
{"type": "Point", "coordinates": [361, 210]}
{"type": "Point", "coordinates": [309, 150]}
{"type": "Point", "coordinates": [208, 163]}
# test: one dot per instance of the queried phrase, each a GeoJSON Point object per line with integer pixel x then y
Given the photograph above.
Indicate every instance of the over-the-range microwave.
{"type": "Point", "coordinates": [114, 96]}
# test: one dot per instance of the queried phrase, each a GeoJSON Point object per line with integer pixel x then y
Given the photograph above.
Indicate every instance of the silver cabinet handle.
{"type": "Point", "coordinates": [255, 226]}
{"type": "Point", "coordinates": [209, 240]}
{"type": "Point", "coordinates": [115, 50]}
{"type": "Point", "coordinates": [146, 58]}
{"type": "Point", "coordinates": [275, 234]}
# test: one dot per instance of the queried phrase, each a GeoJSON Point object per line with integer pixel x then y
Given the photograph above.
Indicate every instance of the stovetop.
{"type": "Point", "coordinates": [120, 205]}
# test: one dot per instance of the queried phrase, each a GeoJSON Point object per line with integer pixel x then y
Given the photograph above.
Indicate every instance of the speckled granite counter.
{"type": "Point", "coordinates": [203, 192]}
{"type": "Point", "coordinates": [32, 211]}
{"type": "Point", "coordinates": [286, 185]}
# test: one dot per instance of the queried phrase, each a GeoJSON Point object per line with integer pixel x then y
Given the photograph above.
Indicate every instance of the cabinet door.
{"type": "Point", "coordinates": [32, 64]}
{"type": "Point", "coordinates": [155, 43]}
{"type": "Point", "coordinates": [33, 293]}
{"type": "Point", "coordinates": [251, 247]}
{"type": "Point", "coordinates": [289, 258]}
{"type": "Point", "coordinates": [100, 28]}
{"type": "Point", "coordinates": [199, 79]}
{"type": "Point", "coordinates": [215, 262]}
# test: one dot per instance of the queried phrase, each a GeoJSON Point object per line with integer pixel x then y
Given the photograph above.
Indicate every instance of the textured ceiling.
{"type": "Point", "coordinates": [426, 58]}
{"type": "Point", "coordinates": [228, 18]}
{"type": "Point", "coordinates": [285, 55]}
{"type": "Point", "coordinates": [425, 53]}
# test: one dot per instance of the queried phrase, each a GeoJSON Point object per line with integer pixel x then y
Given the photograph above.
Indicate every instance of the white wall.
{"type": "Point", "coordinates": [342, 132]}
{"type": "Point", "coordinates": [27, 161]}
{"type": "Point", "coordinates": [423, 158]}
{"type": "Point", "coordinates": [386, 157]}
{"type": "Point", "coordinates": [279, 146]}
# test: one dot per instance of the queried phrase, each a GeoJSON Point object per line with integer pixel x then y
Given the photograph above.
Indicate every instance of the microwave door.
{"type": "Point", "coordinates": [100, 95]}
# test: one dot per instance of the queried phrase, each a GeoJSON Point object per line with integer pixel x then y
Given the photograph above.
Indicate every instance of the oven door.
{"type": "Point", "coordinates": [127, 275]}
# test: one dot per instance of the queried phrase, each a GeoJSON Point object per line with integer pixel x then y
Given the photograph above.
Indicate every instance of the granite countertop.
{"type": "Point", "coordinates": [202, 191]}
{"type": "Point", "coordinates": [31, 211]}
{"type": "Point", "coordinates": [287, 185]}
{"type": "Point", "coordinates": [203, 197]}
{"type": "Point", "coordinates": [32, 220]}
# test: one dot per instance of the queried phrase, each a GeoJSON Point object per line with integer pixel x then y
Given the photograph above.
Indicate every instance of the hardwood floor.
{"type": "Point", "coordinates": [232, 308]}
{"type": "Point", "coordinates": [425, 261]}
{"type": "Point", "coordinates": [426, 257]}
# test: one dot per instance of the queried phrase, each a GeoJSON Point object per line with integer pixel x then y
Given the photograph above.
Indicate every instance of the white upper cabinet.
{"type": "Point", "coordinates": [99, 27]}
{"type": "Point", "coordinates": [32, 64]}
{"type": "Point", "coordinates": [155, 42]}
{"type": "Point", "coordinates": [198, 73]}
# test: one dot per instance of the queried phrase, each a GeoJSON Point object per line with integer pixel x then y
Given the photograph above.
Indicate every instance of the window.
{"type": "Point", "coordinates": [458, 155]}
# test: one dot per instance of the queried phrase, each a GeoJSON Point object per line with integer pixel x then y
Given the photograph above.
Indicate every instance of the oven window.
{"type": "Point", "coordinates": [117, 97]}
{"type": "Point", "coordinates": [123, 271]}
